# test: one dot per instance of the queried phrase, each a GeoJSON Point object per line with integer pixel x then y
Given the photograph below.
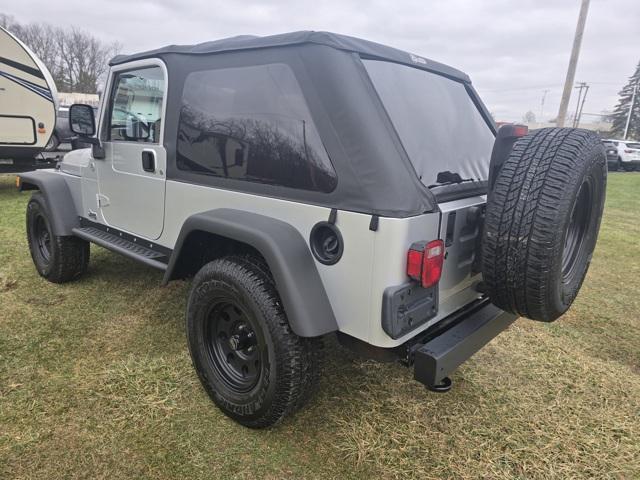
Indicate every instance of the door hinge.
{"type": "Point", "coordinates": [103, 200]}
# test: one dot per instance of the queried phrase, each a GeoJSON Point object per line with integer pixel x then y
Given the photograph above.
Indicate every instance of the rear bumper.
{"type": "Point", "coordinates": [454, 340]}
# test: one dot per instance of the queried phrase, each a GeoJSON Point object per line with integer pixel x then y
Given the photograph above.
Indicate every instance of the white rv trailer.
{"type": "Point", "coordinates": [28, 104]}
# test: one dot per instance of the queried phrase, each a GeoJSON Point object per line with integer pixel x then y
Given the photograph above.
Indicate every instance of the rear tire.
{"type": "Point", "coordinates": [59, 259]}
{"type": "Point", "coordinates": [542, 222]}
{"type": "Point", "coordinates": [250, 362]}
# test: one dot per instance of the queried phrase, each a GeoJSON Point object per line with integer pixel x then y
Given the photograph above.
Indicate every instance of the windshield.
{"type": "Point", "coordinates": [440, 127]}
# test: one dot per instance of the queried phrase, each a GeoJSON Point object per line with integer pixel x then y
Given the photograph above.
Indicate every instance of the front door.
{"type": "Point", "coordinates": [131, 177]}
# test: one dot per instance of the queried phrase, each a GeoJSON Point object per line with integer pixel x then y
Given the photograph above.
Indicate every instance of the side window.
{"type": "Point", "coordinates": [136, 106]}
{"type": "Point", "coordinates": [252, 124]}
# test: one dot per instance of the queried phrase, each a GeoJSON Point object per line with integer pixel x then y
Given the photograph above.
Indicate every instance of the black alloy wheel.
{"type": "Point", "coordinates": [43, 237]}
{"type": "Point", "coordinates": [234, 348]}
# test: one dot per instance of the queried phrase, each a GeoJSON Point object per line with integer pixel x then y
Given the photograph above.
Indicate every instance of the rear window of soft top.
{"type": "Point", "coordinates": [438, 123]}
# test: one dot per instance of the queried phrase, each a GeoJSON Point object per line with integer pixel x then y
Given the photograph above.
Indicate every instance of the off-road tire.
{"type": "Point", "coordinates": [59, 259]}
{"type": "Point", "coordinates": [542, 222]}
{"type": "Point", "coordinates": [289, 365]}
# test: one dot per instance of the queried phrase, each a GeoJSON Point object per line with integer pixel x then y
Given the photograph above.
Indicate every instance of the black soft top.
{"type": "Point", "coordinates": [334, 40]}
{"type": "Point", "coordinates": [375, 175]}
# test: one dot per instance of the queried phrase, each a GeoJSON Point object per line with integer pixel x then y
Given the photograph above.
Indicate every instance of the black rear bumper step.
{"type": "Point", "coordinates": [116, 243]}
{"type": "Point", "coordinates": [440, 355]}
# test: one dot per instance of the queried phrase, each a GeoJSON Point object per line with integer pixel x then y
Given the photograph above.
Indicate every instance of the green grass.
{"type": "Point", "coordinates": [96, 382]}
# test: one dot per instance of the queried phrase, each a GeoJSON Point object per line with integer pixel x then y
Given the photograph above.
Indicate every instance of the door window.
{"type": "Point", "coordinates": [136, 106]}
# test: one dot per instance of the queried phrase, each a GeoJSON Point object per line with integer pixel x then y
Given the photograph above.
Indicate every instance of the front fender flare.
{"type": "Point", "coordinates": [59, 201]}
{"type": "Point", "coordinates": [286, 252]}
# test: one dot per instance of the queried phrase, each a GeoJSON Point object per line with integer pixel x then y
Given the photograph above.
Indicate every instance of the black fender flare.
{"type": "Point", "coordinates": [57, 196]}
{"type": "Point", "coordinates": [286, 252]}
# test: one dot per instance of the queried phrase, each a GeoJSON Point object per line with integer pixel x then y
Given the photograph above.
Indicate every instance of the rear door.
{"type": "Point", "coordinates": [131, 177]}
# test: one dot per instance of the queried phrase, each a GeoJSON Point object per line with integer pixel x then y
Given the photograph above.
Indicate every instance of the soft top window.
{"type": "Point", "coordinates": [251, 123]}
{"type": "Point", "coordinates": [438, 124]}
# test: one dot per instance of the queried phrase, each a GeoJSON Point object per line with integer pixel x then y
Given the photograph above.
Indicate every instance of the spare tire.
{"type": "Point", "coordinates": [542, 221]}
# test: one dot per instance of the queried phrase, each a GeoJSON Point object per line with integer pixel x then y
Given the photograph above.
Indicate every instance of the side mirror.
{"type": "Point", "coordinates": [82, 120]}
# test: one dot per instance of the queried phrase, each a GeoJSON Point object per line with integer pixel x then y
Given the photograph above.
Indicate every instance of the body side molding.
{"type": "Point", "coordinates": [287, 254]}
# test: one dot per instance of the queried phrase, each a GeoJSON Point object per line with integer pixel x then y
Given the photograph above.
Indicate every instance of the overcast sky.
{"type": "Point", "coordinates": [513, 50]}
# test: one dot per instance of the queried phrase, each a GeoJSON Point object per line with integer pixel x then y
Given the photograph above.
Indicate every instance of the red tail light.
{"type": "Point", "coordinates": [512, 130]}
{"type": "Point", "coordinates": [520, 130]}
{"type": "Point", "coordinates": [424, 262]}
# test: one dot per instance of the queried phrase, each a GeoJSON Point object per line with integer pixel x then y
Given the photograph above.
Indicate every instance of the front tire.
{"type": "Point", "coordinates": [59, 259]}
{"type": "Point", "coordinates": [250, 362]}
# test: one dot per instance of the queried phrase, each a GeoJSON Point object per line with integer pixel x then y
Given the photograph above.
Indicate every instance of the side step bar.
{"type": "Point", "coordinates": [125, 247]}
{"type": "Point", "coordinates": [442, 354]}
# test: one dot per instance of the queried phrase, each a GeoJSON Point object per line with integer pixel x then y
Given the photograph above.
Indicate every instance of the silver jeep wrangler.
{"type": "Point", "coordinates": [313, 183]}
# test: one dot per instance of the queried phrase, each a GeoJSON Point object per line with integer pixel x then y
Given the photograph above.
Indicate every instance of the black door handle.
{"type": "Point", "coordinates": [148, 161]}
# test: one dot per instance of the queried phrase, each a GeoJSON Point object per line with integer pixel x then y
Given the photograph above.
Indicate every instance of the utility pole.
{"type": "Point", "coordinates": [544, 95]}
{"type": "Point", "coordinates": [633, 102]}
{"type": "Point", "coordinates": [571, 71]}
{"type": "Point", "coordinates": [584, 97]}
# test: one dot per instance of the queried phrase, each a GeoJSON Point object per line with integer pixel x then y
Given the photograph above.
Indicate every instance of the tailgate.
{"type": "Point", "coordinates": [460, 228]}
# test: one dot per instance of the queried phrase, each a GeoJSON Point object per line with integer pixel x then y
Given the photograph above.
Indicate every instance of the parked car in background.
{"type": "Point", "coordinates": [62, 133]}
{"type": "Point", "coordinates": [611, 150]}
{"type": "Point", "coordinates": [627, 155]}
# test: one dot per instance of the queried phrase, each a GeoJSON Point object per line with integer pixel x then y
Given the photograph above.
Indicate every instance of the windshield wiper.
{"type": "Point", "coordinates": [449, 178]}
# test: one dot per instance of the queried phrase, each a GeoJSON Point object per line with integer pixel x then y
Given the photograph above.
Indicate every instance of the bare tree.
{"type": "Point", "coordinates": [76, 59]}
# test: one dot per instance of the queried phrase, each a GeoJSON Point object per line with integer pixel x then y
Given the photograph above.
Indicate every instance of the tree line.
{"type": "Point", "coordinates": [76, 59]}
{"type": "Point", "coordinates": [628, 101]}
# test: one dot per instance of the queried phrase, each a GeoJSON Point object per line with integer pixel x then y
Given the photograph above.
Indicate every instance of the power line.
{"type": "Point", "coordinates": [517, 89]}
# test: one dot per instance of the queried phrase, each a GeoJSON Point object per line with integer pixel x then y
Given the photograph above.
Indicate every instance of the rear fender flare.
{"type": "Point", "coordinates": [286, 252]}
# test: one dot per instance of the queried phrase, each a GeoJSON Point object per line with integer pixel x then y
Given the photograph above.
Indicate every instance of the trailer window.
{"type": "Point", "coordinates": [251, 124]}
